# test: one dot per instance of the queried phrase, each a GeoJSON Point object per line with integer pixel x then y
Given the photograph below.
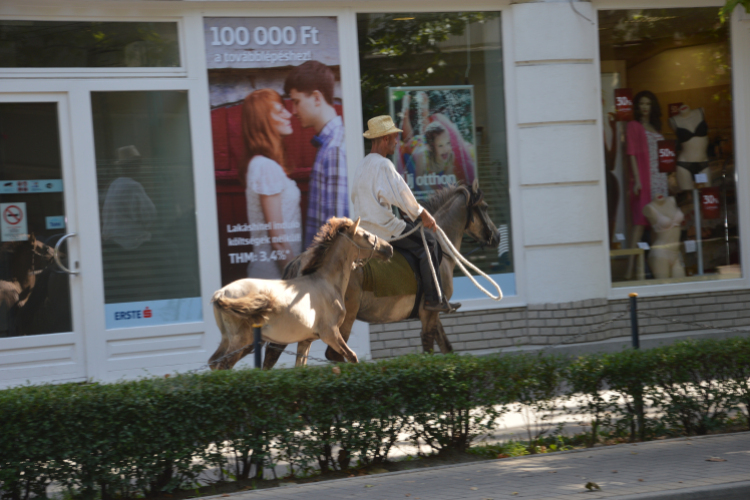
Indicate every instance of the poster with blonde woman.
{"type": "Point", "coordinates": [278, 136]}
{"type": "Point", "coordinates": [437, 146]}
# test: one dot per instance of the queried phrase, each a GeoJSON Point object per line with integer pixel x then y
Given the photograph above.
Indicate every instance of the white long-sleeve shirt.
{"type": "Point", "coordinates": [376, 189]}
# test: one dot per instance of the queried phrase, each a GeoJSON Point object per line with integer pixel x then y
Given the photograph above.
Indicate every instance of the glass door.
{"type": "Point", "coordinates": [39, 286]}
{"type": "Point", "coordinates": [149, 241]}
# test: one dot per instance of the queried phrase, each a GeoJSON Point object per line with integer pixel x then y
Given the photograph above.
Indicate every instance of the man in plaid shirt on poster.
{"type": "Point", "coordinates": [310, 86]}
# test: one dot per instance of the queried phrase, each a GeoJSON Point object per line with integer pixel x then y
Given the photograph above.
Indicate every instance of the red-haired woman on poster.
{"type": "Point", "coordinates": [273, 211]}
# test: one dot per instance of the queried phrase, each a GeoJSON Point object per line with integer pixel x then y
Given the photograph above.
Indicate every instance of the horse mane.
{"type": "Point", "coordinates": [442, 196]}
{"type": "Point", "coordinates": [322, 242]}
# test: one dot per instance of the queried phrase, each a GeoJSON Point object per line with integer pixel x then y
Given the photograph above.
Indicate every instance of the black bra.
{"type": "Point", "coordinates": [684, 135]}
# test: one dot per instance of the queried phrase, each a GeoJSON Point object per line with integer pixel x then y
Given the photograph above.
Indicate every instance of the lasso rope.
{"type": "Point", "coordinates": [459, 259]}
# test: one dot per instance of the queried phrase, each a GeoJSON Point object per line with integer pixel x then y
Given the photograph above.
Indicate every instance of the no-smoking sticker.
{"type": "Point", "coordinates": [13, 225]}
{"type": "Point", "coordinates": [12, 215]}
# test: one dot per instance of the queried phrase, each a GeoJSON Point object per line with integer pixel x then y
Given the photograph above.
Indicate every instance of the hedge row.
{"type": "Point", "coordinates": [156, 435]}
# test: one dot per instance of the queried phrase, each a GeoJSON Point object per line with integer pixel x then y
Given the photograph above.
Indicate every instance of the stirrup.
{"type": "Point", "coordinates": [453, 307]}
{"type": "Point", "coordinates": [444, 306]}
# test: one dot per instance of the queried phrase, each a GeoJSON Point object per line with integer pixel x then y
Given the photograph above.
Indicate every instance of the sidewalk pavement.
{"type": "Point", "coordinates": [699, 468]}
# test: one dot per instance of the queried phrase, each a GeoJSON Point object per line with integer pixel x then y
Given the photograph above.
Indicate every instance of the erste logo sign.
{"type": "Point", "coordinates": [135, 314]}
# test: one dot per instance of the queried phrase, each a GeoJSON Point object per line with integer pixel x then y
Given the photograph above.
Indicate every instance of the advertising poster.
{"type": "Point", "coordinates": [438, 145]}
{"type": "Point", "coordinates": [278, 137]}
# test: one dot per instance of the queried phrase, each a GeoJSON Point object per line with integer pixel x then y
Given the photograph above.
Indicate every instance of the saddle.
{"type": "Point", "coordinates": [399, 276]}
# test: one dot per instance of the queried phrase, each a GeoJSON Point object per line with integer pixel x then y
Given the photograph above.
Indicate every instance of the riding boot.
{"type": "Point", "coordinates": [441, 306]}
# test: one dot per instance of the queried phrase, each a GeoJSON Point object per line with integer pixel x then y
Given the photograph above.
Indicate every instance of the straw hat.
{"type": "Point", "coordinates": [380, 126]}
{"type": "Point", "coordinates": [127, 155]}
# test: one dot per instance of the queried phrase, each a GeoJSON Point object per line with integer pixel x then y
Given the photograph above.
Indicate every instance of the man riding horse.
{"type": "Point", "coordinates": [377, 188]}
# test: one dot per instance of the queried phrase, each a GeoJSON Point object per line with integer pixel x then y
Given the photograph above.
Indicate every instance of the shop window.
{"type": "Point", "coordinates": [34, 294]}
{"type": "Point", "coordinates": [144, 171]}
{"type": "Point", "coordinates": [669, 154]}
{"type": "Point", "coordinates": [440, 76]}
{"type": "Point", "coordinates": [88, 44]}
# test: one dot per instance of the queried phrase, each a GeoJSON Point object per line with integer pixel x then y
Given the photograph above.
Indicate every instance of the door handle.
{"type": "Point", "coordinates": [57, 253]}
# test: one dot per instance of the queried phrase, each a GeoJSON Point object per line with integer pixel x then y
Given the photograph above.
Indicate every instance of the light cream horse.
{"type": "Point", "coordinates": [300, 310]}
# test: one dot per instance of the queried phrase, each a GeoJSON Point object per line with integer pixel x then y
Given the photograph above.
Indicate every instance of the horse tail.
{"type": "Point", "coordinates": [255, 309]}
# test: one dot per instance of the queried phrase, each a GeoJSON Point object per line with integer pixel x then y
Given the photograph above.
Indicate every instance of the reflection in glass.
{"type": "Point", "coordinates": [88, 44]}
{"type": "Point", "coordinates": [669, 162]}
{"type": "Point", "coordinates": [147, 204]}
{"type": "Point", "coordinates": [441, 77]}
{"type": "Point", "coordinates": [34, 294]}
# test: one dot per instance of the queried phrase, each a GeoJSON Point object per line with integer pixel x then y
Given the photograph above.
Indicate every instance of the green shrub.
{"type": "Point", "coordinates": [586, 377]}
{"type": "Point", "coordinates": [691, 385]}
{"type": "Point", "coordinates": [151, 436]}
{"type": "Point", "coordinates": [737, 370]}
{"type": "Point", "coordinates": [628, 373]}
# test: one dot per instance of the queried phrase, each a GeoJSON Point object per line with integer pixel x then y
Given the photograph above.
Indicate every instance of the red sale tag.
{"type": "Point", "coordinates": [667, 155]}
{"type": "Point", "coordinates": [710, 198]}
{"type": "Point", "coordinates": [674, 108]}
{"type": "Point", "coordinates": [624, 104]}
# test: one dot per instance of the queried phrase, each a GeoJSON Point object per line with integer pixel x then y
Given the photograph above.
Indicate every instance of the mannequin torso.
{"type": "Point", "coordinates": [692, 134]}
{"type": "Point", "coordinates": [666, 219]}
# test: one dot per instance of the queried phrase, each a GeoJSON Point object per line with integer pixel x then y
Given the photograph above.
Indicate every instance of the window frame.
{"type": "Point", "coordinates": [740, 108]}
{"type": "Point", "coordinates": [357, 145]}
{"type": "Point", "coordinates": [82, 72]}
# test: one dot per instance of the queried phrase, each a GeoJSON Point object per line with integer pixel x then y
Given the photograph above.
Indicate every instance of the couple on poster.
{"type": "Point", "coordinates": [273, 198]}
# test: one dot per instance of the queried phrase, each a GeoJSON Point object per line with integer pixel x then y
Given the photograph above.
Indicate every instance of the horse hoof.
{"type": "Point", "coordinates": [332, 355]}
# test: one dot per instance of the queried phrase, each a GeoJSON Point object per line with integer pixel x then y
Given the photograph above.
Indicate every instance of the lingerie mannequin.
{"type": "Point", "coordinates": [646, 181]}
{"type": "Point", "coordinates": [692, 137]}
{"type": "Point", "coordinates": [665, 258]}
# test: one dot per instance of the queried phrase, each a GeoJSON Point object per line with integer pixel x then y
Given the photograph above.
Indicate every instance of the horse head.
{"type": "Point", "coordinates": [370, 244]}
{"type": "Point", "coordinates": [479, 226]}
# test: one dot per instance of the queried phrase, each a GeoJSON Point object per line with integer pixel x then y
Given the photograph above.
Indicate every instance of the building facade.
{"type": "Point", "coordinates": [153, 151]}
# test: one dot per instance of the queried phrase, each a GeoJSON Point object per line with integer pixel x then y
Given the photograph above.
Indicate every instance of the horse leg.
{"type": "Point", "coordinates": [235, 342]}
{"type": "Point", "coordinates": [428, 340]}
{"type": "Point", "coordinates": [220, 351]}
{"type": "Point", "coordinates": [273, 353]}
{"type": "Point", "coordinates": [346, 330]}
{"type": "Point", "coordinates": [442, 339]}
{"type": "Point", "coordinates": [303, 350]}
{"type": "Point", "coordinates": [429, 332]}
{"type": "Point", "coordinates": [352, 298]}
{"type": "Point", "coordinates": [334, 339]}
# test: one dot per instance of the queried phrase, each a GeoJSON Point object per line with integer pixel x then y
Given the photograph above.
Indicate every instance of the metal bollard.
{"type": "Point", "coordinates": [256, 345]}
{"type": "Point", "coordinates": [637, 393]}
{"type": "Point", "coordinates": [634, 320]}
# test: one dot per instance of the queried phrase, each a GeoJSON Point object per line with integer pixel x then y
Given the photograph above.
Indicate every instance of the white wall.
{"type": "Point", "coordinates": [559, 152]}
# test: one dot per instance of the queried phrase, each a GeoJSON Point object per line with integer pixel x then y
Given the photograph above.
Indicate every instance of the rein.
{"type": "Point", "coordinates": [472, 201]}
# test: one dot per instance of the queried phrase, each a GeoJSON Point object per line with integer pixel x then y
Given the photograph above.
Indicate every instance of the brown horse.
{"type": "Point", "coordinates": [300, 310]}
{"type": "Point", "coordinates": [458, 210]}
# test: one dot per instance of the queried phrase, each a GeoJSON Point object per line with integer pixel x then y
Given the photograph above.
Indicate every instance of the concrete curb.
{"type": "Point", "coordinates": [727, 491]}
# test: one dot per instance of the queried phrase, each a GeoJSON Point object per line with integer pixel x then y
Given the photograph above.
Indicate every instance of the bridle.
{"type": "Point", "coordinates": [473, 199]}
{"type": "Point", "coordinates": [360, 262]}
{"type": "Point", "coordinates": [37, 253]}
